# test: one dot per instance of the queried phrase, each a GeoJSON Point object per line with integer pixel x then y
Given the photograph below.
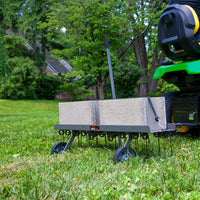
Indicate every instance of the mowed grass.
{"type": "Point", "coordinates": [28, 171]}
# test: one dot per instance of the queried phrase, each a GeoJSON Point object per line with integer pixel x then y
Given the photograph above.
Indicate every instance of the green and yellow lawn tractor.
{"type": "Point", "coordinates": [179, 39]}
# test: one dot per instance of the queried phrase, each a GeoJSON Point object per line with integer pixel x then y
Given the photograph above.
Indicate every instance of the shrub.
{"type": "Point", "coordinates": [48, 86]}
{"type": "Point", "coordinates": [21, 83]}
{"type": "Point", "coordinates": [126, 77]}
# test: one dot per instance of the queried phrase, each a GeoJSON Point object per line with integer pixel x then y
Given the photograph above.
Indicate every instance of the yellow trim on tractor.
{"type": "Point", "coordinates": [196, 19]}
{"type": "Point", "coordinates": [183, 128]}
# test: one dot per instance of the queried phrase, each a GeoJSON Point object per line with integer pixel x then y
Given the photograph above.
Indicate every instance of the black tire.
{"type": "Point", "coordinates": [194, 132]}
{"type": "Point", "coordinates": [168, 102]}
{"type": "Point", "coordinates": [123, 154]}
{"type": "Point", "coordinates": [58, 147]}
{"type": "Point", "coordinates": [169, 97]}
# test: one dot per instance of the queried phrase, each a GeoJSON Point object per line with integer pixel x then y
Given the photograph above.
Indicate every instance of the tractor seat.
{"type": "Point", "coordinates": [195, 4]}
{"type": "Point", "coordinates": [179, 33]}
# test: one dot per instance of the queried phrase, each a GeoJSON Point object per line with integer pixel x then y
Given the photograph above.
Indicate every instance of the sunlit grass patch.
{"type": "Point", "coordinates": [28, 171]}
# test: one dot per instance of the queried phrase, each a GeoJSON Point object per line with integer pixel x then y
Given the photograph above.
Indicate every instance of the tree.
{"type": "Point", "coordinates": [86, 23]}
{"type": "Point", "coordinates": [4, 22]}
{"type": "Point", "coordinates": [22, 81]}
{"type": "Point", "coordinates": [129, 24]}
{"type": "Point", "coordinates": [143, 17]}
{"type": "Point", "coordinates": [22, 72]}
{"type": "Point", "coordinates": [126, 77]}
{"type": "Point", "coordinates": [4, 71]}
{"type": "Point", "coordinates": [19, 63]}
{"type": "Point", "coordinates": [8, 20]}
{"type": "Point", "coordinates": [33, 13]}
{"type": "Point", "coordinates": [25, 81]}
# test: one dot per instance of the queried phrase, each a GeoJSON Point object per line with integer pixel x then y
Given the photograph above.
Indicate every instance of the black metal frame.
{"type": "Point", "coordinates": [111, 132]}
{"type": "Point", "coordinates": [104, 128]}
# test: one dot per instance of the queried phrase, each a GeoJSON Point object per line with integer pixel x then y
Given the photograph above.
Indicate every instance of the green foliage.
{"type": "Point", "coordinates": [28, 171]}
{"type": "Point", "coordinates": [82, 43]}
{"type": "Point", "coordinates": [4, 71]}
{"type": "Point", "coordinates": [86, 24]}
{"type": "Point", "coordinates": [127, 24]}
{"type": "Point", "coordinates": [126, 77]}
{"type": "Point", "coordinates": [22, 77]}
{"type": "Point", "coordinates": [25, 81]}
{"type": "Point", "coordinates": [10, 13]}
{"type": "Point", "coordinates": [75, 85]}
{"type": "Point", "coordinates": [34, 12]}
{"type": "Point", "coordinates": [48, 86]}
{"type": "Point", "coordinates": [164, 87]}
{"type": "Point", "coordinates": [15, 45]}
{"type": "Point", "coordinates": [22, 81]}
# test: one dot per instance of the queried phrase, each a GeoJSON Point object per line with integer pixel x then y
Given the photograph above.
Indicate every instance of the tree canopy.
{"type": "Point", "coordinates": [130, 26]}
{"type": "Point", "coordinates": [75, 30]}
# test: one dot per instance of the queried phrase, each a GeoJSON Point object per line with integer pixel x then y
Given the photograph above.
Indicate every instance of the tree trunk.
{"type": "Point", "coordinates": [141, 57]}
{"type": "Point", "coordinates": [101, 83]}
{"type": "Point", "coordinates": [100, 87]}
{"type": "Point", "coordinates": [155, 64]}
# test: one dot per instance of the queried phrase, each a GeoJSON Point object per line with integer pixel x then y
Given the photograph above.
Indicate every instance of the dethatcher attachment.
{"type": "Point", "coordinates": [145, 115]}
{"type": "Point", "coordinates": [123, 153]}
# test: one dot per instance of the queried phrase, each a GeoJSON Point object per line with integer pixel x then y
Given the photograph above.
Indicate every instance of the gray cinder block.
{"type": "Point", "coordinates": [130, 112]}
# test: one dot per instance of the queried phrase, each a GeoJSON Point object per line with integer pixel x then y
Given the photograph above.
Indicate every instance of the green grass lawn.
{"type": "Point", "coordinates": [28, 171]}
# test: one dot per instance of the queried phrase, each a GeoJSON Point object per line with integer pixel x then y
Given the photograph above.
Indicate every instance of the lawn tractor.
{"type": "Point", "coordinates": [179, 39]}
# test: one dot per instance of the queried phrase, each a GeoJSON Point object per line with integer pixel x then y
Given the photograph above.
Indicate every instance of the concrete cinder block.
{"type": "Point", "coordinates": [75, 113]}
{"type": "Point", "coordinates": [124, 112]}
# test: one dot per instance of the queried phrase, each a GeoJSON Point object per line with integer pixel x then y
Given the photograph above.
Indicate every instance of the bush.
{"type": "Point", "coordinates": [21, 83]}
{"type": "Point", "coordinates": [126, 77]}
{"type": "Point", "coordinates": [77, 85]}
{"type": "Point", "coordinates": [25, 82]}
{"type": "Point", "coordinates": [48, 86]}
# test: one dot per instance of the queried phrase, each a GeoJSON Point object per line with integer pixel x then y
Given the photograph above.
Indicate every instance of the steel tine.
{"type": "Point", "coordinates": [171, 144]}
{"type": "Point", "coordinates": [159, 146]}
{"type": "Point", "coordinates": [97, 142]}
{"type": "Point", "coordinates": [149, 146]}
